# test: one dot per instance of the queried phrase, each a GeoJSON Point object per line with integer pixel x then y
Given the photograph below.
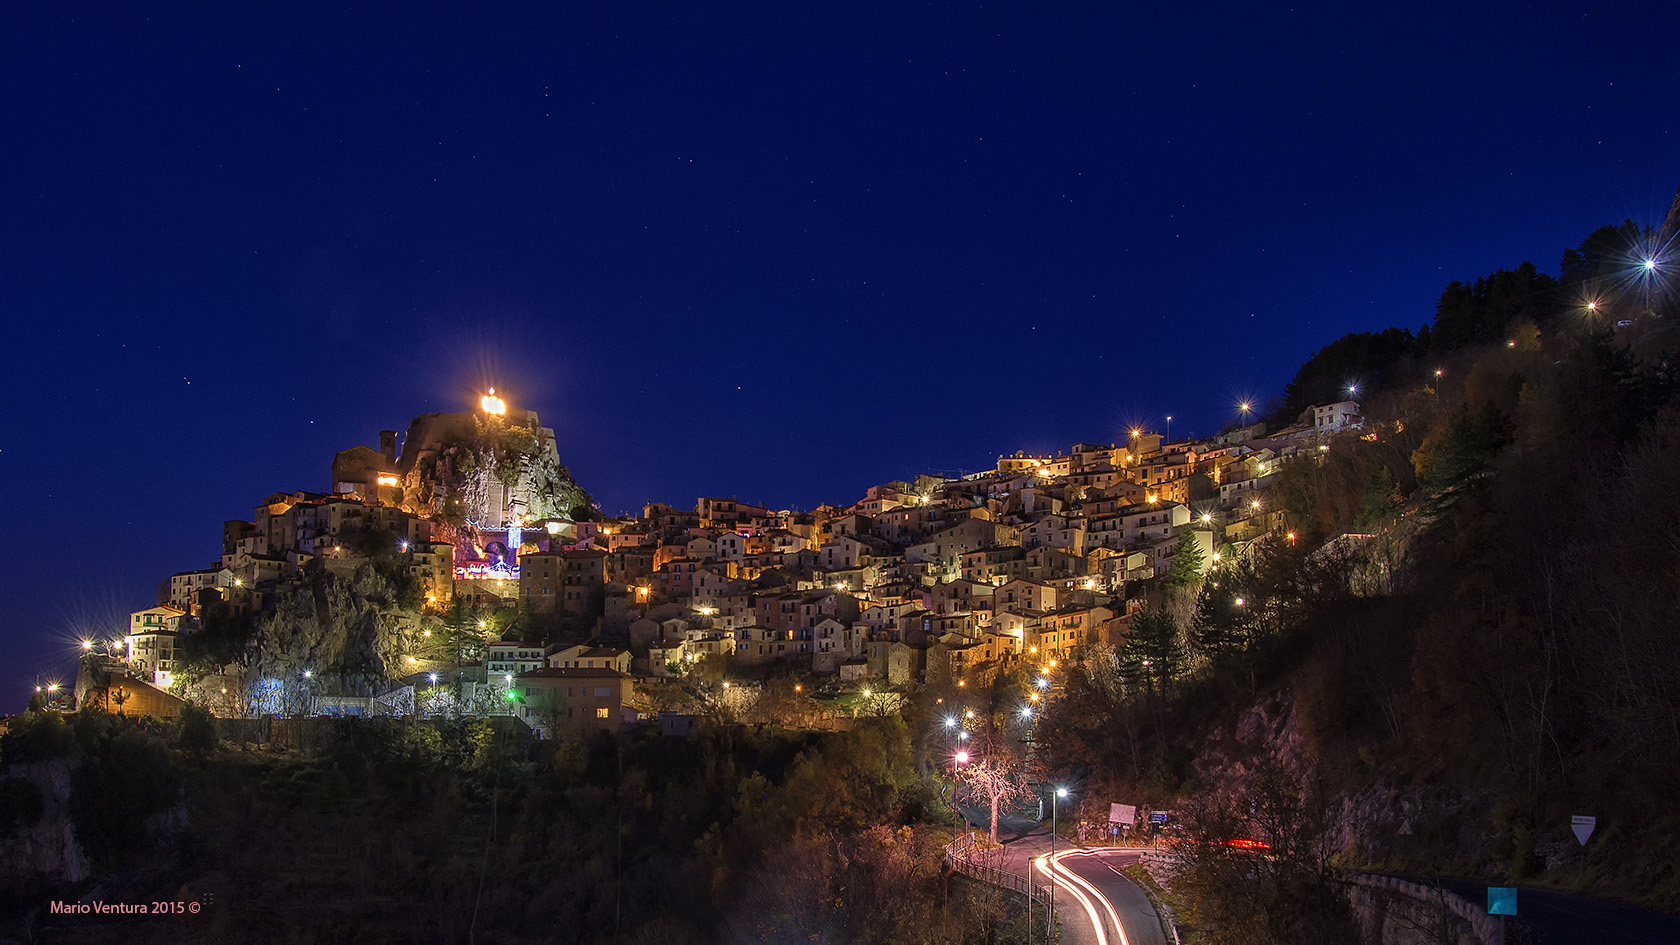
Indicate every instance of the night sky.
{"type": "Point", "coordinates": [778, 252]}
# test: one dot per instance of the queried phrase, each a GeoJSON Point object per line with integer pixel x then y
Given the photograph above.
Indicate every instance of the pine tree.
{"type": "Point", "coordinates": [1188, 558]}
{"type": "Point", "coordinates": [1215, 628]}
{"type": "Point", "coordinates": [1152, 653]}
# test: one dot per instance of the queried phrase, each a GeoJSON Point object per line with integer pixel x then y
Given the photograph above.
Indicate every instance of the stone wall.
{"type": "Point", "coordinates": [1397, 912]}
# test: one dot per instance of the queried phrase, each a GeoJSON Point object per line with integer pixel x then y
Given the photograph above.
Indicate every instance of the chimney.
{"type": "Point", "coordinates": [388, 445]}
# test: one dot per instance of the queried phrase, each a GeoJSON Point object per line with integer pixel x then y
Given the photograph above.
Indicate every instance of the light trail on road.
{"type": "Point", "coordinates": [1090, 909]}
{"type": "Point", "coordinates": [1078, 886]}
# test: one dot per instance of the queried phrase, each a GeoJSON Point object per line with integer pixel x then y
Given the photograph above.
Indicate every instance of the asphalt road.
{"type": "Point", "coordinates": [1552, 918]}
{"type": "Point", "coordinates": [1138, 924]}
{"type": "Point", "coordinates": [1105, 897]}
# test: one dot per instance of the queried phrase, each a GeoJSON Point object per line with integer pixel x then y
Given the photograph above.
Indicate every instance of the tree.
{"type": "Point", "coordinates": [1152, 652]}
{"type": "Point", "coordinates": [998, 777]}
{"type": "Point", "coordinates": [1187, 562]}
{"type": "Point", "coordinates": [1216, 626]}
{"type": "Point", "coordinates": [1461, 455]}
{"type": "Point", "coordinates": [1378, 500]}
{"type": "Point", "coordinates": [1287, 895]}
{"type": "Point", "coordinates": [1362, 357]}
{"type": "Point", "coordinates": [196, 734]}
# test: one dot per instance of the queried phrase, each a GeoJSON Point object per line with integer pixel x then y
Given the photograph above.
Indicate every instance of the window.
{"type": "Point", "coordinates": [602, 713]}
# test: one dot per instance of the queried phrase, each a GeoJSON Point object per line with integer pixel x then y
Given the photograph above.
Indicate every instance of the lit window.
{"type": "Point", "coordinates": [602, 713]}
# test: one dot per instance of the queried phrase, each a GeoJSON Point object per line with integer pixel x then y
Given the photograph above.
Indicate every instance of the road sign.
{"type": "Point", "coordinates": [1158, 817]}
{"type": "Point", "coordinates": [1122, 814]}
{"type": "Point", "coordinates": [1583, 827]}
{"type": "Point", "coordinates": [1502, 900]}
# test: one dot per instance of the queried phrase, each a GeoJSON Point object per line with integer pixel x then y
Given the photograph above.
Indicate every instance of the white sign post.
{"type": "Point", "coordinates": [1583, 827]}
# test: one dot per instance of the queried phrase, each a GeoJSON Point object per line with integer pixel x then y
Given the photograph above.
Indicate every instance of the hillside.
{"type": "Point", "coordinates": [1491, 650]}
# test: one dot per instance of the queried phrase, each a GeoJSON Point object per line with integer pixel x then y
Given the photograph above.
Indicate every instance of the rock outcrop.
{"type": "Point", "coordinates": [348, 632]}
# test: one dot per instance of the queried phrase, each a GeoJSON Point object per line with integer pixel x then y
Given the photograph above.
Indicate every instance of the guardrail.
{"type": "Point", "coordinates": [959, 854]}
{"type": "Point", "coordinates": [1482, 928]}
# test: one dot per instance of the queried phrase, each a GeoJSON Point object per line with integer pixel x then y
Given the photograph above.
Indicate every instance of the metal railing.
{"type": "Point", "coordinates": [959, 853]}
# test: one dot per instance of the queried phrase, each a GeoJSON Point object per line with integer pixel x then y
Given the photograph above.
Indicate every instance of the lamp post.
{"type": "Point", "coordinates": [1050, 926]}
{"type": "Point", "coordinates": [950, 746]}
{"type": "Point", "coordinates": [957, 760]}
{"type": "Point", "coordinates": [1030, 862]}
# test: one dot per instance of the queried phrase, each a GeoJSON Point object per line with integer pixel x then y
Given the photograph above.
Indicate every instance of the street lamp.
{"type": "Point", "coordinates": [1060, 792]}
{"type": "Point", "coordinates": [1043, 865]}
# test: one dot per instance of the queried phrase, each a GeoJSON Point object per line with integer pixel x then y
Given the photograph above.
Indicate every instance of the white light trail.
{"type": "Point", "coordinates": [1067, 878]}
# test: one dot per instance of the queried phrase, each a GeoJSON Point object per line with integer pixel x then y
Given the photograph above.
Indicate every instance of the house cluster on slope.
{"type": "Point", "coordinates": [931, 579]}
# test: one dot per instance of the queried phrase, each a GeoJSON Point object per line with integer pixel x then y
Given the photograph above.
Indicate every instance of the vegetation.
{"type": "Point", "coordinates": [397, 833]}
{"type": "Point", "coordinates": [1491, 654]}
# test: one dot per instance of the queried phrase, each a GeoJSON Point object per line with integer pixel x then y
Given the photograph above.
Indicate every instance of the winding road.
{"type": "Point", "coordinates": [1098, 905]}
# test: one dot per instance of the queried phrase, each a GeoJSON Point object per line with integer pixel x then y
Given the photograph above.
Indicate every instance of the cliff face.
{"type": "Point", "coordinates": [47, 848]}
{"type": "Point", "coordinates": [1374, 821]}
{"type": "Point", "coordinates": [348, 631]}
{"type": "Point", "coordinates": [486, 471]}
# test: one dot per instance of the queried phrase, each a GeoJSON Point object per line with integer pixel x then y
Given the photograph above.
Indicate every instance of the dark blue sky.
{"type": "Point", "coordinates": [779, 251]}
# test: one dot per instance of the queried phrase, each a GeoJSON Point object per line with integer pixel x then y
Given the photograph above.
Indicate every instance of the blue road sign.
{"type": "Point", "coordinates": [1502, 900]}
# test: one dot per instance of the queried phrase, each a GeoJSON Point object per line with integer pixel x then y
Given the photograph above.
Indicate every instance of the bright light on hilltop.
{"type": "Point", "coordinates": [492, 404]}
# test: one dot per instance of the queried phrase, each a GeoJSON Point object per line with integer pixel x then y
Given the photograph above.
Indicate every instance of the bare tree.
{"type": "Point", "coordinates": [999, 777]}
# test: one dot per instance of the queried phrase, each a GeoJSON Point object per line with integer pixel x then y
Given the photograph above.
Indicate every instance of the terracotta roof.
{"type": "Point", "coordinates": [582, 672]}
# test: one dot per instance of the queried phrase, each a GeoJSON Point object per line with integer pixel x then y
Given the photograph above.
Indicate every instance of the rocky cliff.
{"type": "Point", "coordinates": [346, 630]}
{"type": "Point", "coordinates": [486, 471]}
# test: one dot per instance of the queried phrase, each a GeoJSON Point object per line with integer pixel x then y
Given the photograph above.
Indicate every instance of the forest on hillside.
{"type": "Point", "coordinates": [1466, 635]}
{"type": "Point", "coordinates": [413, 832]}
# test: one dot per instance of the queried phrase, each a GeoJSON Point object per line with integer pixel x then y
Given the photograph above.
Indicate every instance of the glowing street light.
{"type": "Point", "coordinates": [1055, 795]}
{"type": "Point", "coordinates": [87, 644]}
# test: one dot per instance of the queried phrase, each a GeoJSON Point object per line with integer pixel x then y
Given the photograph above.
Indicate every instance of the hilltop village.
{"type": "Point", "coordinates": [468, 574]}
